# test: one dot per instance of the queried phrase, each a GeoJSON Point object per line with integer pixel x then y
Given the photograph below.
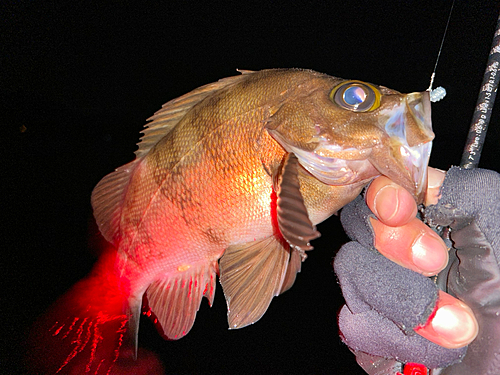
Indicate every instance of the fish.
{"type": "Point", "coordinates": [230, 180]}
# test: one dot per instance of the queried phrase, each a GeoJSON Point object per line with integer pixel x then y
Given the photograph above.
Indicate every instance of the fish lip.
{"type": "Point", "coordinates": [420, 109]}
{"type": "Point", "coordinates": [413, 158]}
{"type": "Point", "coordinates": [416, 160]}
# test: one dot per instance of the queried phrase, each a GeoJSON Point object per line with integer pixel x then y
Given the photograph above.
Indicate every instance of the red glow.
{"type": "Point", "coordinates": [415, 369]}
{"type": "Point", "coordinates": [84, 332]}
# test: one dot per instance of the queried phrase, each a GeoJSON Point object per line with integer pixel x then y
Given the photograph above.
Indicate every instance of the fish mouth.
{"type": "Point", "coordinates": [409, 131]}
{"type": "Point", "coordinates": [402, 154]}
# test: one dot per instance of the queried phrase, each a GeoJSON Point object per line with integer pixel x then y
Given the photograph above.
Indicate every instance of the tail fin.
{"type": "Point", "coordinates": [84, 332]}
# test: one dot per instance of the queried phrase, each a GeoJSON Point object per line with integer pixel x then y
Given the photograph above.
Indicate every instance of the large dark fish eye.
{"type": "Point", "coordinates": [356, 96]}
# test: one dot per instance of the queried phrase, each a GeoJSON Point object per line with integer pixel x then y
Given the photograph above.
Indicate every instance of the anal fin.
{"type": "Point", "coordinates": [175, 300]}
{"type": "Point", "coordinates": [251, 275]}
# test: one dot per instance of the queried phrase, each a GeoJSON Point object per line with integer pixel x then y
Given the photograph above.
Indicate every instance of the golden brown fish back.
{"type": "Point", "coordinates": [212, 170]}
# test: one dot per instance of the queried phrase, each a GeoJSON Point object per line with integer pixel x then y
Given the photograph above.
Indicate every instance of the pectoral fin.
{"type": "Point", "coordinates": [293, 219]}
{"type": "Point", "coordinates": [251, 275]}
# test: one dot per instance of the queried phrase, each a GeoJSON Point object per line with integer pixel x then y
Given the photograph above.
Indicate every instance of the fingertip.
{"type": "Point", "coordinates": [451, 325]}
{"type": "Point", "coordinates": [414, 246]}
{"type": "Point", "coordinates": [429, 253]}
{"type": "Point", "coordinates": [435, 178]}
{"type": "Point", "coordinates": [391, 203]}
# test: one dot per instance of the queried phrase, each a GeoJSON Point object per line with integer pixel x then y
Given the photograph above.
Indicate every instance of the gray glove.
{"type": "Point", "coordinates": [384, 301]}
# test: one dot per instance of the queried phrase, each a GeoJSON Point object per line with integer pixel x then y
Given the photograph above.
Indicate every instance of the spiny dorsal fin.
{"type": "Point", "coordinates": [175, 299]}
{"type": "Point", "coordinates": [251, 275]}
{"type": "Point", "coordinates": [164, 120]}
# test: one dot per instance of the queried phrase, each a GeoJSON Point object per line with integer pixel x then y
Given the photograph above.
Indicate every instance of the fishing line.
{"type": "Point", "coordinates": [441, 47]}
{"type": "Point", "coordinates": [440, 92]}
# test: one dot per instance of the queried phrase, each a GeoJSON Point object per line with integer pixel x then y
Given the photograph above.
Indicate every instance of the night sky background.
{"type": "Point", "coordinates": [78, 80]}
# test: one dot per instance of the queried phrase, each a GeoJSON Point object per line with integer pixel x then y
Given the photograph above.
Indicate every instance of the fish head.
{"type": "Point", "coordinates": [348, 132]}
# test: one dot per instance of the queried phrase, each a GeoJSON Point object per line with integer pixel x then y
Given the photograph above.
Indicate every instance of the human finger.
{"type": "Point", "coordinates": [434, 181]}
{"type": "Point", "coordinates": [451, 325]}
{"type": "Point", "coordinates": [394, 205]}
{"type": "Point", "coordinates": [414, 246]}
{"type": "Point", "coordinates": [391, 203]}
{"type": "Point", "coordinates": [399, 235]}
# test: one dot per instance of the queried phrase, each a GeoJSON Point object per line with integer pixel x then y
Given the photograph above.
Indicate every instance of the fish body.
{"type": "Point", "coordinates": [231, 179]}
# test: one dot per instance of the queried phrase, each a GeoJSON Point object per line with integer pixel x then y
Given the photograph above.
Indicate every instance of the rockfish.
{"type": "Point", "coordinates": [230, 180]}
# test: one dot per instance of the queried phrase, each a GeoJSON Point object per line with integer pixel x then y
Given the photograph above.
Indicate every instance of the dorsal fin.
{"type": "Point", "coordinates": [164, 120]}
{"type": "Point", "coordinates": [109, 193]}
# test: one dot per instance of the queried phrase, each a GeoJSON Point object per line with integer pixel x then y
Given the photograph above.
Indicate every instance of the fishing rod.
{"type": "Point", "coordinates": [484, 106]}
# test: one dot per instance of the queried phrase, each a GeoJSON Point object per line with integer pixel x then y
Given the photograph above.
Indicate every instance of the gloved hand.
{"type": "Point", "coordinates": [385, 302]}
{"type": "Point", "coordinates": [470, 207]}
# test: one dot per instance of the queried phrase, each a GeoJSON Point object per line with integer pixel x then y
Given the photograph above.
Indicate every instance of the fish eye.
{"type": "Point", "coordinates": [356, 96]}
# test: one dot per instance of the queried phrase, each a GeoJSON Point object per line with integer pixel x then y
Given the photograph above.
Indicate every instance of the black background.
{"type": "Point", "coordinates": [78, 80]}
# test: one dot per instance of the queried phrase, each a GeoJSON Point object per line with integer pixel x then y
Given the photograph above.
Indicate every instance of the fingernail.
{"type": "Point", "coordinates": [455, 323]}
{"type": "Point", "coordinates": [386, 202]}
{"type": "Point", "coordinates": [429, 254]}
{"type": "Point", "coordinates": [435, 177]}
{"type": "Point", "coordinates": [452, 325]}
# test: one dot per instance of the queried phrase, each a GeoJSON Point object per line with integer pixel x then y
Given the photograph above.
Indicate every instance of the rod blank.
{"type": "Point", "coordinates": [484, 106]}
